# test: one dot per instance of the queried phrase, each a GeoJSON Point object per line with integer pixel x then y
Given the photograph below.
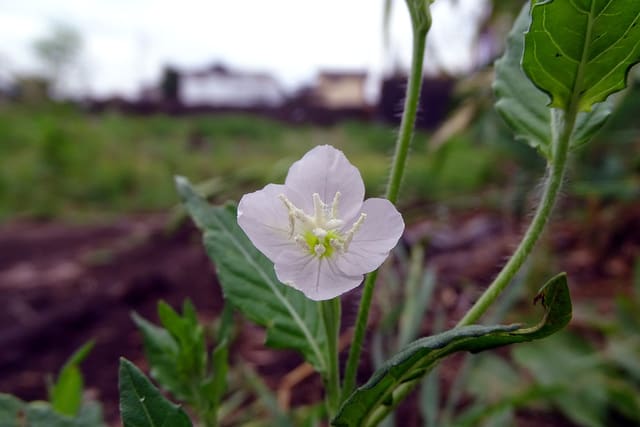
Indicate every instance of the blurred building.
{"type": "Point", "coordinates": [334, 95]}
{"type": "Point", "coordinates": [219, 86]}
{"type": "Point", "coordinates": [337, 90]}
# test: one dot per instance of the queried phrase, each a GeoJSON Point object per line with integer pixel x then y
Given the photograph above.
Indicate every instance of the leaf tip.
{"type": "Point", "coordinates": [182, 185]}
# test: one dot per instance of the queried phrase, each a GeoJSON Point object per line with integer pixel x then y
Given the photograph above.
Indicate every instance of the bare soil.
{"type": "Point", "coordinates": [62, 285]}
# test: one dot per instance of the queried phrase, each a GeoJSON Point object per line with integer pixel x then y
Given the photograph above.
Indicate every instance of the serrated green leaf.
{"type": "Point", "coordinates": [404, 370]}
{"type": "Point", "coordinates": [171, 320]}
{"type": "Point", "coordinates": [249, 282]}
{"type": "Point", "coordinates": [142, 405]}
{"type": "Point", "coordinates": [524, 107]}
{"type": "Point", "coordinates": [162, 353]}
{"type": "Point", "coordinates": [66, 393]}
{"type": "Point", "coordinates": [189, 334]}
{"type": "Point", "coordinates": [580, 51]}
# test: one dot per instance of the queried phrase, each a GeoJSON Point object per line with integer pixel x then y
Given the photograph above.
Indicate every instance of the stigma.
{"type": "Point", "coordinates": [320, 234]}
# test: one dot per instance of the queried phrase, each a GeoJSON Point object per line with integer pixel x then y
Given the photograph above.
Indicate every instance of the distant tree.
{"type": "Point", "coordinates": [59, 52]}
{"type": "Point", "coordinates": [170, 84]}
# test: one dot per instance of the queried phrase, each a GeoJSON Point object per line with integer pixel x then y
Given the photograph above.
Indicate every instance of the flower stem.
{"type": "Point", "coordinates": [553, 182]}
{"type": "Point", "coordinates": [355, 350]}
{"type": "Point", "coordinates": [331, 319]}
{"type": "Point", "coordinates": [421, 22]}
{"type": "Point", "coordinates": [405, 134]}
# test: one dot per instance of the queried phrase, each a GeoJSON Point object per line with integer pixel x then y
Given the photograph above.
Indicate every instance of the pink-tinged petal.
{"type": "Point", "coordinates": [325, 170]}
{"type": "Point", "coordinates": [371, 244]}
{"type": "Point", "coordinates": [265, 220]}
{"type": "Point", "coordinates": [318, 278]}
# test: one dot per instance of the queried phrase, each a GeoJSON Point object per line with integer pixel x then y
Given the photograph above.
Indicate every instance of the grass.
{"type": "Point", "coordinates": [58, 162]}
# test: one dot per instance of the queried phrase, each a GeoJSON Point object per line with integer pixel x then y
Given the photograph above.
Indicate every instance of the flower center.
{"type": "Point", "coordinates": [320, 234]}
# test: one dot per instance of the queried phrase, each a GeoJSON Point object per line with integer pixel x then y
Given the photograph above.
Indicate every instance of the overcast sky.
{"type": "Point", "coordinates": [126, 42]}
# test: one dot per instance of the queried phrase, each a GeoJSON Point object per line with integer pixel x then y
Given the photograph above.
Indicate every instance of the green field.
{"type": "Point", "coordinates": [58, 162]}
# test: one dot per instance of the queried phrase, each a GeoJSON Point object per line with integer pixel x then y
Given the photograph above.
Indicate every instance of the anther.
{"type": "Point", "coordinates": [319, 250]}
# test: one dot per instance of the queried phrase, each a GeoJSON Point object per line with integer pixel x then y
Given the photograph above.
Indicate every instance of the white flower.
{"type": "Point", "coordinates": [320, 235]}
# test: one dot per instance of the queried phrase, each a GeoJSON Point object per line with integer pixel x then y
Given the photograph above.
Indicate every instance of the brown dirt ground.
{"type": "Point", "coordinates": [61, 285]}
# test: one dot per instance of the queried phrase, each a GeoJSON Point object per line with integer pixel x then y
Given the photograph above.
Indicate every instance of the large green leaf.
{"type": "Point", "coordinates": [142, 405]}
{"type": "Point", "coordinates": [248, 280]}
{"type": "Point", "coordinates": [405, 370]}
{"type": "Point", "coordinates": [580, 51]}
{"type": "Point", "coordinates": [525, 107]}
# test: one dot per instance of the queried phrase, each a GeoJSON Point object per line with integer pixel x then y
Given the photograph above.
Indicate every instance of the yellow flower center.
{"type": "Point", "coordinates": [320, 234]}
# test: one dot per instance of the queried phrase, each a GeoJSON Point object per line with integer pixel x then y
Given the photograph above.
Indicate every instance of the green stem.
{"type": "Point", "coordinates": [331, 319]}
{"type": "Point", "coordinates": [421, 21]}
{"type": "Point", "coordinates": [355, 350]}
{"type": "Point", "coordinates": [405, 134]}
{"type": "Point", "coordinates": [206, 416]}
{"type": "Point", "coordinates": [552, 186]}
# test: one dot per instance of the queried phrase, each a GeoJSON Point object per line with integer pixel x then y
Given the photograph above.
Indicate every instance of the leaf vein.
{"type": "Point", "coordinates": [276, 291]}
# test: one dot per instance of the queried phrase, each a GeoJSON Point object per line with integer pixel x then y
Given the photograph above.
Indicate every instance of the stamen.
{"type": "Point", "coordinates": [334, 205]}
{"type": "Point", "coordinates": [292, 216]}
{"type": "Point", "coordinates": [319, 250]}
{"type": "Point", "coordinates": [295, 212]}
{"type": "Point", "coordinates": [354, 228]}
{"type": "Point", "coordinates": [337, 244]}
{"type": "Point", "coordinates": [319, 208]}
{"type": "Point", "coordinates": [286, 202]}
{"type": "Point", "coordinates": [334, 224]}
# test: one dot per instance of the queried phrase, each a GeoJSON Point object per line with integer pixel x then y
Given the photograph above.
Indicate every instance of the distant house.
{"type": "Point", "coordinates": [332, 96]}
{"type": "Point", "coordinates": [219, 86]}
{"type": "Point", "coordinates": [340, 90]}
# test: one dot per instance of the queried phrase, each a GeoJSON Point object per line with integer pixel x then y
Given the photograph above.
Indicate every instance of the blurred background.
{"type": "Point", "coordinates": [103, 102]}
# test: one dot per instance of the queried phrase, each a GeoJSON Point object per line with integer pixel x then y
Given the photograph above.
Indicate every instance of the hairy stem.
{"type": "Point", "coordinates": [421, 22]}
{"type": "Point", "coordinates": [553, 182]}
{"type": "Point", "coordinates": [331, 319]}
